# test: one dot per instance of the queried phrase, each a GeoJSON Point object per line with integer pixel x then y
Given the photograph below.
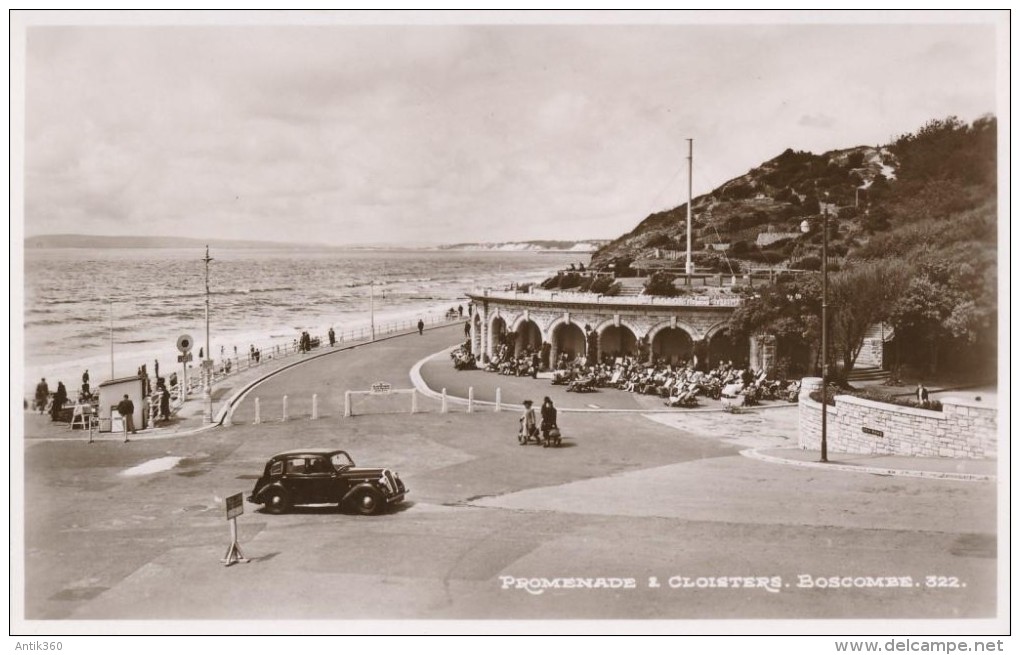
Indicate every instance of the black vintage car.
{"type": "Point", "coordinates": [318, 476]}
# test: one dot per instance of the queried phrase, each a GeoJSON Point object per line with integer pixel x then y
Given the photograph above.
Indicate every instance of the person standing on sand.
{"type": "Point", "coordinates": [126, 409]}
{"type": "Point", "coordinates": [42, 394]}
{"type": "Point", "coordinates": [421, 327]}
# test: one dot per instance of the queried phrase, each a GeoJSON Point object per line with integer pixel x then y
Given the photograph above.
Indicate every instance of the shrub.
{"type": "Point", "coordinates": [661, 284]}
{"type": "Point", "coordinates": [570, 280]}
{"type": "Point", "coordinates": [870, 393]}
{"type": "Point", "coordinates": [601, 285]}
{"type": "Point", "coordinates": [660, 240]}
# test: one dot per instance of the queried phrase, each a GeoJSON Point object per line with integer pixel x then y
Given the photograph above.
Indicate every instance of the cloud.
{"type": "Point", "coordinates": [451, 133]}
{"type": "Point", "coordinates": [818, 120]}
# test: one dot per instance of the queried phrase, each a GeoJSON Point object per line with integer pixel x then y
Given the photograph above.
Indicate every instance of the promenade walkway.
{"type": "Point", "coordinates": [767, 433]}
{"type": "Point", "coordinates": [625, 496]}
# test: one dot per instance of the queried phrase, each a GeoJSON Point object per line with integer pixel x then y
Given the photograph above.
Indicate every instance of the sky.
{"type": "Point", "coordinates": [424, 134]}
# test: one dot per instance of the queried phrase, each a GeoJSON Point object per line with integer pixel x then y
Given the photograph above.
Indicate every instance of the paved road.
{"type": "Point", "coordinates": [626, 498]}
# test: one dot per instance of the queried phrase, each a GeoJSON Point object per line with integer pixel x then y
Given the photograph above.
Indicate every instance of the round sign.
{"type": "Point", "coordinates": [184, 343]}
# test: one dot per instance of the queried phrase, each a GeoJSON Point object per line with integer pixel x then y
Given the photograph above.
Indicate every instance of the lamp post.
{"type": "Point", "coordinates": [805, 227]}
{"type": "Point", "coordinates": [207, 362]}
{"type": "Point", "coordinates": [371, 307]}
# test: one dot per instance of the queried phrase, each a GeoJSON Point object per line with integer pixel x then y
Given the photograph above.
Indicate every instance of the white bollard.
{"type": "Point", "coordinates": [285, 408]}
{"type": "Point", "coordinates": [315, 406]}
{"type": "Point", "coordinates": [499, 399]}
{"type": "Point", "coordinates": [258, 412]}
{"type": "Point", "coordinates": [347, 403]}
{"type": "Point", "coordinates": [442, 410]}
{"type": "Point", "coordinates": [471, 399]}
{"type": "Point", "coordinates": [414, 401]}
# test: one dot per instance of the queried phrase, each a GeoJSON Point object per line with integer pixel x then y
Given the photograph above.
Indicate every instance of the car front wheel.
{"type": "Point", "coordinates": [277, 501]}
{"type": "Point", "coordinates": [367, 501]}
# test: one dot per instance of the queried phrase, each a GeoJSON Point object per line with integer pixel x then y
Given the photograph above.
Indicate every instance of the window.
{"type": "Point", "coordinates": [296, 465]}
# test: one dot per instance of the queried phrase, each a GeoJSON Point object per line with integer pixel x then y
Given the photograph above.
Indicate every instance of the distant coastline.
{"type": "Point", "coordinates": [164, 242]}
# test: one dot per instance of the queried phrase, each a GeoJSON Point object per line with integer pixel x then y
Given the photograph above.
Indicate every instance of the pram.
{"type": "Point", "coordinates": [523, 438]}
{"type": "Point", "coordinates": [582, 385]}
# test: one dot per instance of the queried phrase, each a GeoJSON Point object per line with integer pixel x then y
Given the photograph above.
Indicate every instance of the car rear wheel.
{"type": "Point", "coordinates": [367, 502]}
{"type": "Point", "coordinates": [277, 501]}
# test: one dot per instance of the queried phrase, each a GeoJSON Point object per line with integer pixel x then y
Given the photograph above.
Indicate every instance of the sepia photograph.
{"type": "Point", "coordinates": [510, 322]}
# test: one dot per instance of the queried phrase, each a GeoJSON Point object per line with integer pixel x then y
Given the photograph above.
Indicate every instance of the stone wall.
{"type": "Point", "coordinates": [855, 425]}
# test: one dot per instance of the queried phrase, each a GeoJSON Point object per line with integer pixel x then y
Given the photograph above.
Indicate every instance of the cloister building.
{"type": "Point", "coordinates": [553, 322]}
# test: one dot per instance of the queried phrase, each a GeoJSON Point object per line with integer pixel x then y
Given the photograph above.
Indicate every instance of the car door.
{"type": "Point", "coordinates": [320, 479]}
{"type": "Point", "coordinates": [309, 478]}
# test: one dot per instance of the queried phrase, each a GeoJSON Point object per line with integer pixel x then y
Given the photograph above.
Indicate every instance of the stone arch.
{"type": "Point", "coordinates": [722, 347]}
{"type": "Point", "coordinates": [693, 332]}
{"type": "Point", "coordinates": [617, 340]}
{"type": "Point", "coordinates": [528, 336]}
{"type": "Point", "coordinates": [497, 328]}
{"type": "Point", "coordinates": [566, 337]}
{"type": "Point", "coordinates": [674, 345]}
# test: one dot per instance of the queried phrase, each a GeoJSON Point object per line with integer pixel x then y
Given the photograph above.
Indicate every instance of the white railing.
{"type": "Point", "coordinates": [275, 350]}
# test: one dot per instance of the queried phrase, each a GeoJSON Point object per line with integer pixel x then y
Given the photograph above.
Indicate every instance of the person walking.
{"type": "Point", "coordinates": [535, 361]}
{"type": "Point", "coordinates": [421, 327]}
{"type": "Point", "coordinates": [529, 427]}
{"type": "Point", "coordinates": [164, 401]}
{"type": "Point", "coordinates": [126, 409]}
{"type": "Point", "coordinates": [59, 398]}
{"type": "Point", "coordinates": [332, 337]}
{"type": "Point", "coordinates": [85, 389]}
{"type": "Point", "coordinates": [548, 421]}
{"type": "Point", "coordinates": [42, 395]}
{"type": "Point", "coordinates": [922, 394]}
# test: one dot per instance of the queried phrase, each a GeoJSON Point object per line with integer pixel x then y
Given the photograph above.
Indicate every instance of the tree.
{"type": "Point", "coordinates": [946, 304]}
{"type": "Point", "coordinates": [862, 295]}
{"type": "Point", "coordinates": [789, 310]}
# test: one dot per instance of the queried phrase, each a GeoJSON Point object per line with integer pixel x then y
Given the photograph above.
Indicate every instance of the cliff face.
{"type": "Point", "coordinates": [772, 198]}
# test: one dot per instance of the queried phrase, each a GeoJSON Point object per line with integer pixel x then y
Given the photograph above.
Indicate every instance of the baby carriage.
{"type": "Point", "coordinates": [552, 437]}
{"type": "Point", "coordinates": [526, 436]}
{"type": "Point", "coordinates": [582, 385]}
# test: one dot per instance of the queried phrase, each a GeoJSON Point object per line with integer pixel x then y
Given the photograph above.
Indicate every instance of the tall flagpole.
{"type": "Point", "coordinates": [690, 200]}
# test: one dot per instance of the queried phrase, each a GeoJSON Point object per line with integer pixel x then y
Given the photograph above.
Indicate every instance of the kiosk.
{"type": "Point", "coordinates": [111, 393]}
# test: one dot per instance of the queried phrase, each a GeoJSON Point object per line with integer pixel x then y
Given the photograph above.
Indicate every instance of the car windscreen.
{"type": "Point", "coordinates": [341, 460]}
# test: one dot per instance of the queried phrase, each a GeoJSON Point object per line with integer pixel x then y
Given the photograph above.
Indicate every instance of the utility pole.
{"type": "Point", "coordinates": [690, 199]}
{"type": "Point", "coordinates": [207, 362]}
{"type": "Point", "coordinates": [371, 306]}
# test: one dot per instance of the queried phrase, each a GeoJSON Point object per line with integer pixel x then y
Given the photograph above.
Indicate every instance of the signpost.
{"type": "Point", "coordinates": [184, 344]}
{"type": "Point", "coordinates": [235, 508]}
{"type": "Point", "coordinates": [382, 387]}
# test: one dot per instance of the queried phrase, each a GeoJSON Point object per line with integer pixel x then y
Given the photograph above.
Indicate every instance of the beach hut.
{"type": "Point", "coordinates": [111, 393]}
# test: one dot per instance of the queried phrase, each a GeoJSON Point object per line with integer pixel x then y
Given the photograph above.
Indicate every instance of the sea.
{"type": "Point", "coordinates": [82, 304]}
